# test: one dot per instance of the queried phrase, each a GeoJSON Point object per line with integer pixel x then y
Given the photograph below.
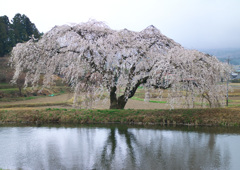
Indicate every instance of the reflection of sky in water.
{"type": "Point", "coordinates": [115, 148]}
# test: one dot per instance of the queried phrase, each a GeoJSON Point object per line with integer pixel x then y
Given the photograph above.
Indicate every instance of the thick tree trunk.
{"type": "Point", "coordinates": [116, 102]}
{"type": "Point", "coordinates": [121, 101]}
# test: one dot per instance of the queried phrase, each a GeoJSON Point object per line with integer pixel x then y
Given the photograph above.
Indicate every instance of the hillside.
{"type": "Point", "coordinates": [6, 72]}
{"type": "Point", "coordinates": [223, 54]}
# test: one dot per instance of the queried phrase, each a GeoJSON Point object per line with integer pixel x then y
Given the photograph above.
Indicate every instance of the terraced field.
{"type": "Point", "coordinates": [137, 102]}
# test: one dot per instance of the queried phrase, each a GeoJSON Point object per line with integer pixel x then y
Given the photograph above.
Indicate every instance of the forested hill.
{"type": "Point", "coordinates": [223, 54]}
{"type": "Point", "coordinates": [18, 30]}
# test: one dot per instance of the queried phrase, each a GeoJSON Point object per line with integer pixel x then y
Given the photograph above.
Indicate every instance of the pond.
{"type": "Point", "coordinates": [119, 147]}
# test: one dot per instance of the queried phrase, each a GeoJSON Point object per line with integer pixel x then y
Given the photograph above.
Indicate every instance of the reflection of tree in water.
{"type": "Point", "coordinates": [111, 142]}
{"type": "Point", "coordinates": [122, 148]}
{"type": "Point", "coordinates": [109, 157]}
{"type": "Point", "coordinates": [154, 149]}
{"type": "Point", "coordinates": [204, 152]}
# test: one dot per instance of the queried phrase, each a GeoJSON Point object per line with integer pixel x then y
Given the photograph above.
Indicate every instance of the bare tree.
{"type": "Point", "coordinates": [92, 52]}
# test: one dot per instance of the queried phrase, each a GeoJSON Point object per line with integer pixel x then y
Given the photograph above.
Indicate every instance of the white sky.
{"type": "Point", "coordinates": [192, 23]}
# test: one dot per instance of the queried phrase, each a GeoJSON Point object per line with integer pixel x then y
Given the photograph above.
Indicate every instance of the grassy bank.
{"type": "Point", "coordinates": [210, 117]}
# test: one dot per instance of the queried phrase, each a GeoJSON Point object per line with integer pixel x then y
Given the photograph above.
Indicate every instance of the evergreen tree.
{"type": "Point", "coordinates": [5, 36]}
{"type": "Point", "coordinates": [18, 31]}
{"type": "Point", "coordinates": [22, 27]}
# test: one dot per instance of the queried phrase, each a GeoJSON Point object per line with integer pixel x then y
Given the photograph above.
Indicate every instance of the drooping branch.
{"type": "Point", "coordinates": [93, 55]}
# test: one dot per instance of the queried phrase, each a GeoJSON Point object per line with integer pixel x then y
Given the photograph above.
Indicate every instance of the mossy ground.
{"type": "Point", "coordinates": [211, 117]}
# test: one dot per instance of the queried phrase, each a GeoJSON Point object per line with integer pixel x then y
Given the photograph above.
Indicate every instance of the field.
{"type": "Point", "coordinates": [57, 108]}
{"type": "Point", "coordinates": [60, 96]}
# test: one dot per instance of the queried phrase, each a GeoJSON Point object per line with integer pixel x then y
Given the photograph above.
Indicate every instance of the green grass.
{"type": "Point", "coordinates": [9, 90]}
{"type": "Point", "coordinates": [151, 101]}
{"type": "Point", "coordinates": [234, 105]}
{"type": "Point", "coordinates": [234, 101]}
{"type": "Point", "coordinates": [5, 86]}
{"type": "Point", "coordinates": [136, 98]}
{"type": "Point", "coordinates": [217, 116]}
{"type": "Point", "coordinates": [33, 105]}
{"type": "Point", "coordinates": [12, 99]}
{"type": "Point", "coordinates": [10, 93]}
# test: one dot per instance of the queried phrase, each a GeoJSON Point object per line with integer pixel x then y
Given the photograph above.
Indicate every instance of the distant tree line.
{"type": "Point", "coordinates": [224, 53]}
{"type": "Point", "coordinates": [19, 30]}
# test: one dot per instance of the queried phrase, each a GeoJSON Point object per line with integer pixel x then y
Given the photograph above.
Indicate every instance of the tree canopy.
{"type": "Point", "coordinates": [94, 59]}
{"type": "Point", "coordinates": [5, 36]}
{"type": "Point", "coordinates": [17, 31]}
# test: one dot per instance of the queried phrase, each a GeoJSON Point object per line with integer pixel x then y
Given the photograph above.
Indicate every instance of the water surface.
{"type": "Point", "coordinates": [119, 147]}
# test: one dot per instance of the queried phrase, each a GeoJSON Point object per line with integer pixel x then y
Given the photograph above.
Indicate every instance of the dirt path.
{"type": "Point", "coordinates": [131, 104]}
{"type": "Point", "coordinates": [53, 99]}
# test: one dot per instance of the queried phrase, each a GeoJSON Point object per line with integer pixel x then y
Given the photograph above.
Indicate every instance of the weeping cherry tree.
{"type": "Point", "coordinates": [95, 59]}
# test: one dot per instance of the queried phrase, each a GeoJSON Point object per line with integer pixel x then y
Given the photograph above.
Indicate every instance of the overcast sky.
{"type": "Point", "coordinates": [195, 24]}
